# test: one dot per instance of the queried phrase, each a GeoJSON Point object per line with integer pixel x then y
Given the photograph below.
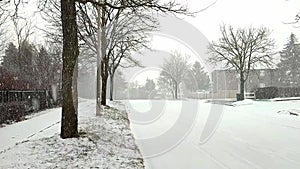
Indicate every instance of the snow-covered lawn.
{"type": "Point", "coordinates": [249, 135]}
{"type": "Point", "coordinates": [104, 142]}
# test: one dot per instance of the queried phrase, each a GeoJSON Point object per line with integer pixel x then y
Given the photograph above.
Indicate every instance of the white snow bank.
{"type": "Point", "coordinates": [104, 142]}
{"type": "Point", "coordinates": [243, 102]}
{"type": "Point", "coordinates": [285, 99]}
{"type": "Point", "coordinates": [294, 112]}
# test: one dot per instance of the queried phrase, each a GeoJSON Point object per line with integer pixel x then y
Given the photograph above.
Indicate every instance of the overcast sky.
{"type": "Point", "coordinates": [240, 13]}
{"type": "Point", "coordinates": [272, 14]}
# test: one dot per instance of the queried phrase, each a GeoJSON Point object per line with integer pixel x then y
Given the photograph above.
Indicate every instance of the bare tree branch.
{"type": "Point", "coordinates": [243, 49]}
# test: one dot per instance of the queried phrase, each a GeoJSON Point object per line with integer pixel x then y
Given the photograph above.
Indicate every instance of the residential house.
{"type": "Point", "coordinates": [225, 83]}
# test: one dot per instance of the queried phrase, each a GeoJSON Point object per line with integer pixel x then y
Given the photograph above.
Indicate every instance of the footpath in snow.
{"type": "Point", "coordinates": [104, 142]}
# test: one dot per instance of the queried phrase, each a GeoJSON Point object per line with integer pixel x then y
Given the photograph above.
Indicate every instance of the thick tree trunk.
{"type": "Point", "coordinates": [176, 91]}
{"type": "Point", "coordinates": [75, 88]}
{"type": "Point", "coordinates": [69, 121]}
{"type": "Point", "coordinates": [242, 87]}
{"type": "Point", "coordinates": [111, 89]}
{"type": "Point", "coordinates": [104, 77]}
{"type": "Point", "coordinates": [103, 93]}
{"type": "Point", "coordinates": [104, 58]}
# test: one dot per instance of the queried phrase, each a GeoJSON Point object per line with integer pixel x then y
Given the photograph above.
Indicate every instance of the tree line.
{"type": "Point", "coordinates": [177, 73]}
{"type": "Point", "coordinates": [39, 66]}
{"type": "Point", "coordinates": [111, 29]}
{"type": "Point", "coordinates": [177, 77]}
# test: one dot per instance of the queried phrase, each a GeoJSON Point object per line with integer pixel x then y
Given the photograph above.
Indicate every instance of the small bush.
{"type": "Point", "coordinates": [266, 93]}
{"type": "Point", "coordinates": [273, 92]}
{"type": "Point", "coordinates": [13, 111]}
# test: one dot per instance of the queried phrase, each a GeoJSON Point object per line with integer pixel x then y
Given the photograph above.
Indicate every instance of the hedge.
{"type": "Point", "coordinates": [274, 92]}
{"type": "Point", "coordinates": [13, 111]}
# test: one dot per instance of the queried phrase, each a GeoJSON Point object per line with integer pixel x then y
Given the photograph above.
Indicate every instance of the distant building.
{"type": "Point", "coordinates": [225, 83]}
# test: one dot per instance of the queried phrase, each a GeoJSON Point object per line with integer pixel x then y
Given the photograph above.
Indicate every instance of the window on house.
{"type": "Point", "coordinates": [262, 73]}
{"type": "Point", "coordinates": [261, 85]}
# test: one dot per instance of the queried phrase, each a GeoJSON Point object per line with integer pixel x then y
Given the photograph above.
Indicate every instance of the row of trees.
{"type": "Point", "coordinates": [109, 29]}
{"type": "Point", "coordinates": [39, 65]}
{"type": "Point", "coordinates": [242, 49]}
{"type": "Point", "coordinates": [176, 71]}
{"type": "Point", "coordinates": [146, 91]}
{"type": "Point", "coordinates": [33, 63]}
{"type": "Point", "coordinates": [70, 43]}
{"type": "Point", "coordinates": [178, 77]}
{"type": "Point", "coordinates": [123, 32]}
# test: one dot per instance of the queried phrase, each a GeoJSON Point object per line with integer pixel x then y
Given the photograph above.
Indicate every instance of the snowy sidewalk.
{"type": "Point", "coordinates": [104, 142]}
{"type": "Point", "coordinates": [17, 132]}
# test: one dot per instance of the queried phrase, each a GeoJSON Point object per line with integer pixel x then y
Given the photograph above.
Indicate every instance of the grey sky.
{"type": "Point", "coordinates": [240, 13]}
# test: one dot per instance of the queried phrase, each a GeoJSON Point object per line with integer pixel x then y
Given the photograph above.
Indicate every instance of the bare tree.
{"type": "Point", "coordinates": [50, 12]}
{"type": "Point", "coordinates": [23, 29]}
{"type": "Point", "coordinates": [173, 73]}
{"type": "Point", "coordinates": [136, 5]}
{"type": "Point", "coordinates": [3, 32]}
{"type": "Point", "coordinates": [10, 7]}
{"type": "Point", "coordinates": [3, 25]}
{"type": "Point", "coordinates": [70, 45]}
{"type": "Point", "coordinates": [21, 63]}
{"type": "Point", "coordinates": [69, 123]}
{"type": "Point", "coordinates": [124, 33]}
{"type": "Point", "coordinates": [295, 22]}
{"type": "Point", "coordinates": [243, 50]}
{"type": "Point", "coordinates": [129, 33]}
{"type": "Point", "coordinates": [120, 5]}
{"type": "Point", "coordinates": [55, 53]}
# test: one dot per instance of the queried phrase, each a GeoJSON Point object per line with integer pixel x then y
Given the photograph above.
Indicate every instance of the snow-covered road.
{"type": "Point", "coordinates": [250, 135]}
